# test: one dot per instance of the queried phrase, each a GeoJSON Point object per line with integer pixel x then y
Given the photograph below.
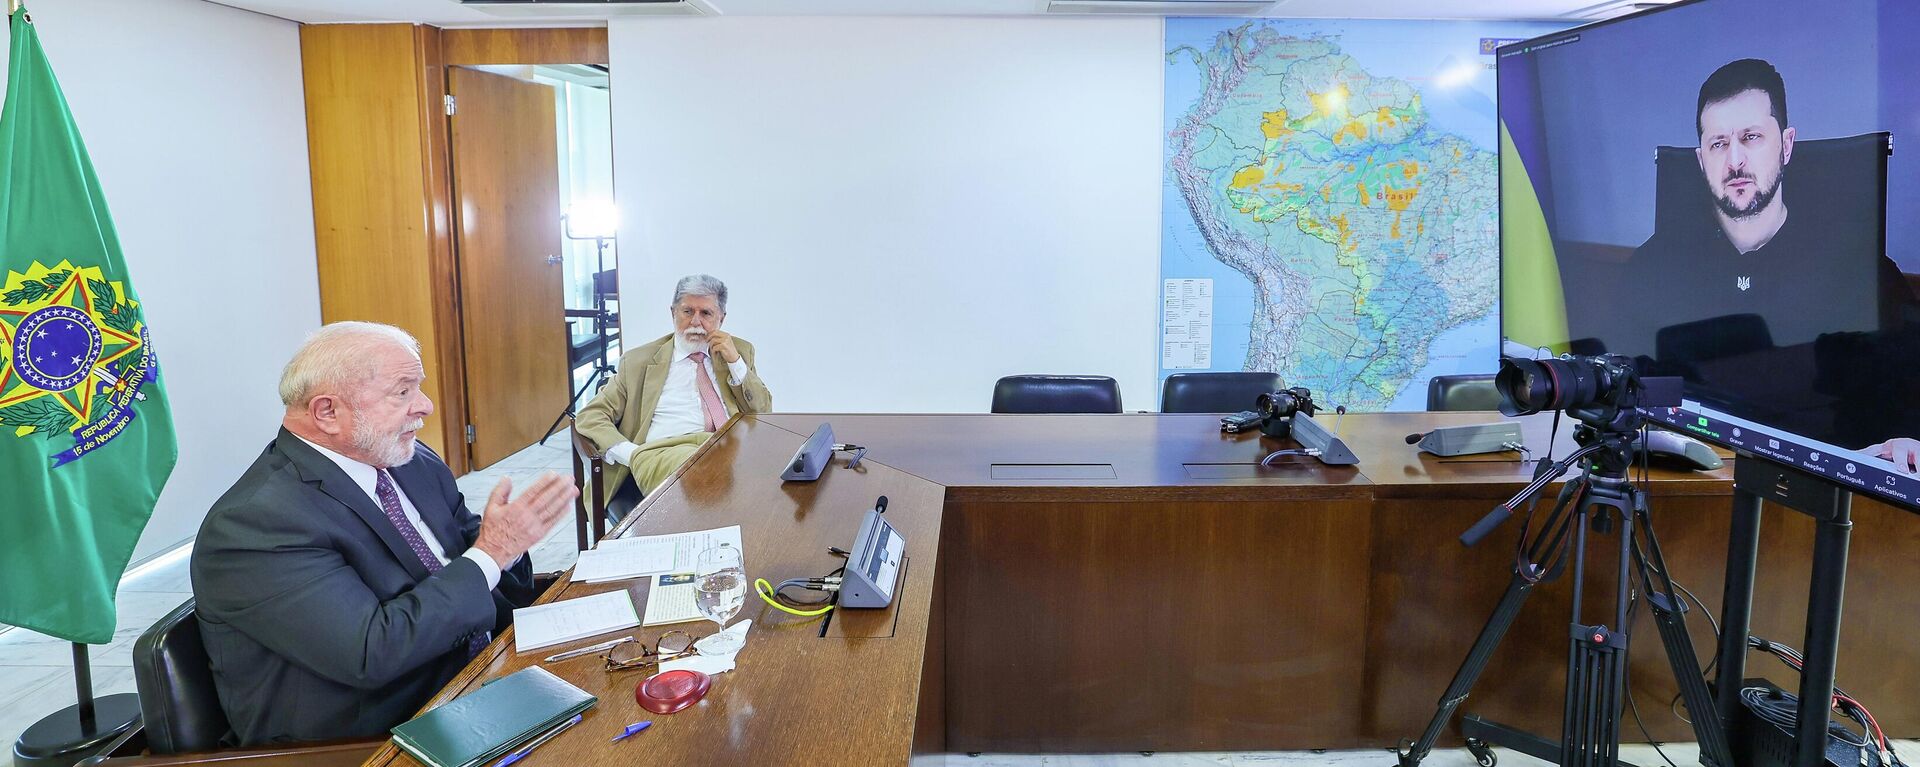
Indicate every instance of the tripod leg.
{"type": "Point", "coordinates": [564, 414]}
{"type": "Point", "coordinates": [1495, 630]}
{"type": "Point", "coordinates": [1669, 614]}
{"type": "Point", "coordinates": [1596, 654]}
{"type": "Point", "coordinates": [1491, 634]}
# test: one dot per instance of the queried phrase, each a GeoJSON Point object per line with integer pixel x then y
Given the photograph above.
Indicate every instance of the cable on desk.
{"type": "Point", "coordinates": [768, 593]}
{"type": "Point", "coordinates": [771, 594]}
{"type": "Point", "coordinates": [1268, 461]}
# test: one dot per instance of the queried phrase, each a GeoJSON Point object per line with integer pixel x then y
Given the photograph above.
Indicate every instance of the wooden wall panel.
{"type": "Point", "coordinates": [1155, 626]}
{"type": "Point", "coordinates": [375, 161]}
{"type": "Point", "coordinates": [526, 46]}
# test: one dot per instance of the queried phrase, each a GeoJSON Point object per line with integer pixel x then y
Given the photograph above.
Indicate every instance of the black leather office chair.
{"type": "Point", "coordinates": [590, 520]}
{"type": "Point", "coordinates": [1463, 392]}
{"type": "Point", "coordinates": [177, 698]}
{"type": "Point", "coordinates": [1711, 339]}
{"type": "Point", "coordinates": [1056, 394]}
{"type": "Point", "coordinates": [1215, 392]}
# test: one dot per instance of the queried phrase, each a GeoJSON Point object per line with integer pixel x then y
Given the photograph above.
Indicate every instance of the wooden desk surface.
{"type": "Point", "coordinates": [783, 703]}
{"type": "Point", "coordinates": [1150, 456]}
{"type": "Point", "coordinates": [1159, 452]}
{"type": "Point", "coordinates": [1160, 607]}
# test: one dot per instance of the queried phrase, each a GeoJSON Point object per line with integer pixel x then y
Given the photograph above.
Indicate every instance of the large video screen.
{"type": "Point", "coordinates": [1711, 189]}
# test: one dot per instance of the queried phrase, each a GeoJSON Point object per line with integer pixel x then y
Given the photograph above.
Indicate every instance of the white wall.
{"type": "Point", "coordinates": [904, 209]}
{"type": "Point", "coordinates": [194, 116]}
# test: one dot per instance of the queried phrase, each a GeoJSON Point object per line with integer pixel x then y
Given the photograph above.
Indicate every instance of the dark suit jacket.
{"type": "Point", "coordinates": [321, 623]}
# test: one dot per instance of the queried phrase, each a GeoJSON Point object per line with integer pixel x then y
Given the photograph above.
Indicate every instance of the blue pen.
{"type": "Point", "coordinates": [632, 729]}
{"type": "Point", "coordinates": [528, 749]}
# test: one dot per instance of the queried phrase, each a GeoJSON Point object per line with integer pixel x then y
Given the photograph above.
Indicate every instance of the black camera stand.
{"type": "Point", "coordinates": [1599, 499]}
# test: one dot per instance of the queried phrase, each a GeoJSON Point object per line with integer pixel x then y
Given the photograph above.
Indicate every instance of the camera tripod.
{"type": "Point", "coordinates": [1600, 498]}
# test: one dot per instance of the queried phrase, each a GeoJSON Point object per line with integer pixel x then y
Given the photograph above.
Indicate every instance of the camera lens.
{"type": "Point", "coordinates": [1530, 386]}
{"type": "Point", "coordinates": [1525, 387]}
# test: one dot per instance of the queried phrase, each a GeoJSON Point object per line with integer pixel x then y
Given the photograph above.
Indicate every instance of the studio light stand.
{"type": "Point", "coordinates": [597, 222]}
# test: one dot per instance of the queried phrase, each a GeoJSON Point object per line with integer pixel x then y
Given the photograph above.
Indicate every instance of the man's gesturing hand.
{"type": "Point", "coordinates": [509, 528]}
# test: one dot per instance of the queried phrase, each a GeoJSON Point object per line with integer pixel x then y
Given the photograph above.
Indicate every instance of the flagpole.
{"type": "Point", "coordinates": [83, 680]}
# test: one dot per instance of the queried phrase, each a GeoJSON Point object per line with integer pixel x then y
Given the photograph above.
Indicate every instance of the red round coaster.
{"type": "Point", "coordinates": [672, 691]}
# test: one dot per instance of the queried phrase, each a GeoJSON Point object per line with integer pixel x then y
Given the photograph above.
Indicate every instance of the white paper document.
{"type": "Point", "coordinates": [622, 558]}
{"type": "Point", "coordinates": [572, 619]}
{"type": "Point", "coordinates": [670, 599]}
{"type": "Point", "coordinates": [1186, 324]}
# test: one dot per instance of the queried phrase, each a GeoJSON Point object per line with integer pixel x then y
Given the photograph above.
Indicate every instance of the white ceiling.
{"type": "Point", "coordinates": [450, 13]}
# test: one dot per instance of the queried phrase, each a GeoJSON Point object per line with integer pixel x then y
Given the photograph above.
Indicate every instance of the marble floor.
{"type": "Point", "coordinates": [36, 671]}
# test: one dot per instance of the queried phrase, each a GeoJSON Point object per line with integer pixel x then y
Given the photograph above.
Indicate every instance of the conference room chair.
{"type": "Point", "coordinates": [177, 699]}
{"type": "Point", "coordinates": [182, 719]}
{"type": "Point", "coordinates": [1712, 339]}
{"type": "Point", "coordinates": [1056, 394]}
{"type": "Point", "coordinates": [590, 506]}
{"type": "Point", "coordinates": [1215, 392]}
{"type": "Point", "coordinates": [1463, 392]}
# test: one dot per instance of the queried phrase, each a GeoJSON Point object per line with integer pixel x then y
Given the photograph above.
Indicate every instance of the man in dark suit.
{"type": "Point", "coordinates": [342, 580]}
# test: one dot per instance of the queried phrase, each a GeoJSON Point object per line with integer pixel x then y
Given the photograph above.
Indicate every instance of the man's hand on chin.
{"type": "Point", "coordinates": [722, 345]}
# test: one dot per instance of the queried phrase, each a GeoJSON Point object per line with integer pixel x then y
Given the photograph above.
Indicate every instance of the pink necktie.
{"type": "Point", "coordinates": [709, 397]}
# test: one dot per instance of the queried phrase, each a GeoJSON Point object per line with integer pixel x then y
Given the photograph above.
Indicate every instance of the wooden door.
{"type": "Point", "coordinates": [506, 180]}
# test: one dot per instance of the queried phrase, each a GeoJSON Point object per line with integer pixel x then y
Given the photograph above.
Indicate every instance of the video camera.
{"type": "Point", "coordinates": [1276, 410]}
{"type": "Point", "coordinates": [1601, 391]}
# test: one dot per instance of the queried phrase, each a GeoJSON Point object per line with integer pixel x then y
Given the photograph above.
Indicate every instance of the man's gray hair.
{"type": "Point", "coordinates": [701, 285]}
{"type": "Point", "coordinates": [340, 355]}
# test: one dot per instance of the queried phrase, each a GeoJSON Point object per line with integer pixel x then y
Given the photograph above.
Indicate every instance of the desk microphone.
{"type": "Point", "coordinates": [1468, 440]}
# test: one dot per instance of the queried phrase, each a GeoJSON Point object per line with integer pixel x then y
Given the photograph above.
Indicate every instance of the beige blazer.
{"type": "Point", "coordinates": [623, 411]}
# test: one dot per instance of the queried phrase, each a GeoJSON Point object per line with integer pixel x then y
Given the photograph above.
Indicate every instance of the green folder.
{"type": "Point", "coordinates": [493, 720]}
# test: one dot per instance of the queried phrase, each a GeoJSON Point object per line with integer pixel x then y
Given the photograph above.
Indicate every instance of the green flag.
{"type": "Point", "coordinates": [85, 438]}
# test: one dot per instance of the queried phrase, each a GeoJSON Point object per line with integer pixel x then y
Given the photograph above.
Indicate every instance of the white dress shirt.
{"type": "Point", "coordinates": [679, 410]}
{"type": "Point", "coordinates": [366, 477]}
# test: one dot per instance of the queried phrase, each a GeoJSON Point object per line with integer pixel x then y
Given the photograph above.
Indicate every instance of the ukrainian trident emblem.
{"type": "Point", "coordinates": [73, 356]}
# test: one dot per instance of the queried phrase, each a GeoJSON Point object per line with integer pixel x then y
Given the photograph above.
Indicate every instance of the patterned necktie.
{"type": "Point", "coordinates": [390, 503]}
{"type": "Point", "coordinates": [709, 397]}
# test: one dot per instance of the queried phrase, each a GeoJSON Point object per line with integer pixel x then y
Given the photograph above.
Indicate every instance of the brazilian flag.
{"type": "Point", "coordinates": [86, 441]}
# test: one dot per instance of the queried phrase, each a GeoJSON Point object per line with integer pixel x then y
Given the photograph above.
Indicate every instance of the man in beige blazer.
{"type": "Point", "coordinates": [672, 394]}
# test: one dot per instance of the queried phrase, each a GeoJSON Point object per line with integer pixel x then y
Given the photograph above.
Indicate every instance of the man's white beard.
{"type": "Point", "coordinates": [385, 448]}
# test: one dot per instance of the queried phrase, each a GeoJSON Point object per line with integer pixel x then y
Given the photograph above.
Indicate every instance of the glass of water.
{"type": "Point", "coordinates": [720, 586]}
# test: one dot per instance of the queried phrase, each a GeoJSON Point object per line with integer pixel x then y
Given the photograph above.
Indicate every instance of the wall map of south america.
{"type": "Point", "coordinates": [1337, 181]}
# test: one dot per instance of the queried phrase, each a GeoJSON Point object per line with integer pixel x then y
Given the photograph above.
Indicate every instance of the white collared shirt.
{"type": "Point", "coordinates": [679, 410]}
{"type": "Point", "coordinates": [367, 478]}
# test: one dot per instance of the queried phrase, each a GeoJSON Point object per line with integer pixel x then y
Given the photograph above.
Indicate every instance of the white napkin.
{"type": "Point", "coordinates": [706, 662]}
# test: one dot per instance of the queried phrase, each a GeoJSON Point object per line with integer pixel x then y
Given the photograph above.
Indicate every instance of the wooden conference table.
{"type": "Point", "coordinates": [1139, 583]}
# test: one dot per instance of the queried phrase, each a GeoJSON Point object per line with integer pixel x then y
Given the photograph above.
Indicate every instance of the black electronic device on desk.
{"type": "Point", "coordinates": [1471, 439]}
{"type": "Point", "coordinates": [875, 562]}
{"type": "Point", "coordinates": [1288, 414]}
{"type": "Point", "coordinates": [814, 455]}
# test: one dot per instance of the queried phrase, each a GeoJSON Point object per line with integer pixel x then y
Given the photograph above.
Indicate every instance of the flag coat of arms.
{"type": "Point", "coordinates": [86, 441]}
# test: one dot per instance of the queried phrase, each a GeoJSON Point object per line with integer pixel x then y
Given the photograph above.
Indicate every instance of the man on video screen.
{"type": "Point", "coordinates": [1745, 145]}
{"type": "Point", "coordinates": [1752, 293]}
{"type": "Point", "coordinates": [1733, 245]}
